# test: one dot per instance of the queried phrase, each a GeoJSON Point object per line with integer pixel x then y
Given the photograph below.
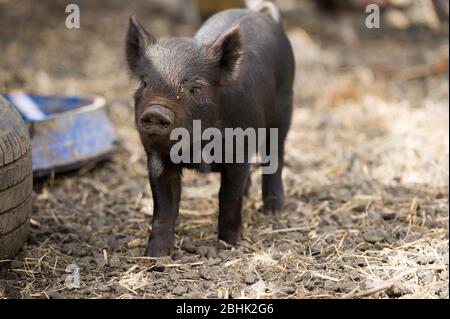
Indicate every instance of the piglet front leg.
{"type": "Point", "coordinates": [234, 179]}
{"type": "Point", "coordinates": [166, 189]}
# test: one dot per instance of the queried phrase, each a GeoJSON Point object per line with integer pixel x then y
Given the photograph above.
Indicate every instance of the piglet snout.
{"type": "Point", "coordinates": [157, 120]}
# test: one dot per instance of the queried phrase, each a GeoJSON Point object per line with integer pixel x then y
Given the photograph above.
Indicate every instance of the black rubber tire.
{"type": "Point", "coordinates": [16, 181]}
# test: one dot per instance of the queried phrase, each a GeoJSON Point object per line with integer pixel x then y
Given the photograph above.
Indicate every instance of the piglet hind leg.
{"type": "Point", "coordinates": [166, 190]}
{"type": "Point", "coordinates": [272, 184]}
{"type": "Point", "coordinates": [234, 179]}
{"type": "Point", "coordinates": [273, 192]}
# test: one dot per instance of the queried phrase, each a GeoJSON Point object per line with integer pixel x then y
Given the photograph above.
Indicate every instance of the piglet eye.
{"type": "Point", "coordinates": [195, 90]}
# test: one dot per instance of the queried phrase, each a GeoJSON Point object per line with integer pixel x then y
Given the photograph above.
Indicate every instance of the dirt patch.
{"type": "Point", "coordinates": [366, 177]}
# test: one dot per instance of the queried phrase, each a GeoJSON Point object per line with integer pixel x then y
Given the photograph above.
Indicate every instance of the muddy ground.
{"type": "Point", "coordinates": [366, 177]}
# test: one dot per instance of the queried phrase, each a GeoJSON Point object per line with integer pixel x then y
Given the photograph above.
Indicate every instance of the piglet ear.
{"type": "Point", "coordinates": [137, 41]}
{"type": "Point", "coordinates": [227, 52]}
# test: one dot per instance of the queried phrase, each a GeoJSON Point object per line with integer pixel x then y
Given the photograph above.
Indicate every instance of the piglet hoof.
{"type": "Point", "coordinates": [273, 205]}
{"type": "Point", "coordinates": [157, 248]}
{"type": "Point", "coordinates": [230, 237]}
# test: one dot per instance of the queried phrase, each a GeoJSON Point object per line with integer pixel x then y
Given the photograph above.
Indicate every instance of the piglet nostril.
{"type": "Point", "coordinates": [163, 121]}
{"type": "Point", "coordinates": [147, 120]}
{"type": "Point", "coordinates": [157, 120]}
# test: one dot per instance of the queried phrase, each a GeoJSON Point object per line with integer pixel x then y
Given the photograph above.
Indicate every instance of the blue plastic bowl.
{"type": "Point", "coordinates": [67, 132]}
